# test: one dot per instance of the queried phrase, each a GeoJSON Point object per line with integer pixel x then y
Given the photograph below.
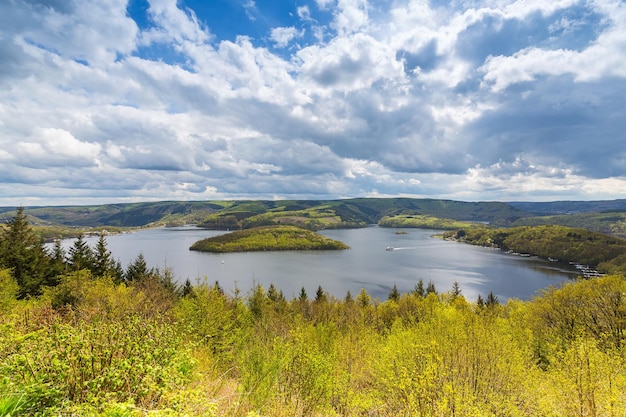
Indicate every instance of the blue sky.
{"type": "Point", "coordinates": [105, 101]}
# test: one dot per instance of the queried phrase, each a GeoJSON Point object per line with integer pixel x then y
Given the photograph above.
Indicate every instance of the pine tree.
{"type": "Point", "coordinates": [363, 299]}
{"type": "Point", "coordinates": [394, 294]}
{"type": "Point", "coordinates": [430, 288]}
{"type": "Point", "coordinates": [492, 300]}
{"type": "Point", "coordinates": [456, 290]}
{"type": "Point", "coordinates": [137, 270]}
{"type": "Point", "coordinates": [80, 255]}
{"type": "Point", "coordinates": [187, 290]}
{"type": "Point", "coordinates": [58, 264]}
{"type": "Point", "coordinates": [419, 289]}
{"type": "Point", "coordinates": [303, 297]}
{"type": "Point", "coordinates": [274, 295]}
{"type": "Point", "coordinates": [480, 302]}
{"type": "Point", "coordinates": [320, 295]}
{"type": "Point", "coordinates": [103, 263]}
{"type": "Point", "coordinates": [23, 252]}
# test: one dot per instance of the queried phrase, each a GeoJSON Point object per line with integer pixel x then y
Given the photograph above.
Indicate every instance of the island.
{"type": "Point", "coordinates": [268, 238]}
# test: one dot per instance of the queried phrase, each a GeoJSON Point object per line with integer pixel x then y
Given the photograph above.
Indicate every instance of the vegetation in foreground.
{"type": "Point", "coordinates": [96, 340]}
{"type": "Point", "coordinates": [92, 347]}
{"type": "Point", "coordinates": [268, 238]}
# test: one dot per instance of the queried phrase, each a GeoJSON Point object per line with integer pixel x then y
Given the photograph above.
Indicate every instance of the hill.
{"type": "Point", "coordinates": [267, 238]}
{"type": "Point", "coordinates": [565, 243]}
{"type": "Point", "coordinates": [310, 214]}
{"type": "Point", "coordinates": [610, 223]}
{"type": "Point", "coordinates": [570, 207]}
{"type": "Point", "coordinates": [327, 214]}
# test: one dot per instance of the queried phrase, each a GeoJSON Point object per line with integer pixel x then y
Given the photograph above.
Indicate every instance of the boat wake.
{"type": "Point", "coordinates": [390, 248]}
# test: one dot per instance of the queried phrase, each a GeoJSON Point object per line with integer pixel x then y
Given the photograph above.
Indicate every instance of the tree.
{"type": "Point", "coordinates": [103, 263]}
{"type": "Point", "coordinates": [58, 264]}
{"type": "Point", "coordinates": [137, 269]}
{"type": "Point", "coordinates": [187, 289]}
{"type": "Point", "coordinates": [274, 294]}
{"type": "Point", "coordinates": [492, 300]}
{"type": "Point", "coordinates": [419, 289]}
{"type": "Point", "coordinates": [394, 294]}
{"type": "Point", "coordinates": [80, 255]}
{"type": "Point", "coordinates": [23, 252]}
{"type": "Point", "coordinates": [320, 295]}
{"type": "Point", "coordinates": [480, 302]}
{"type": "Point", "coordinates": [303, 297]}
{"type": "Point", "coordinates": [456, 290]}
{"type": "Point", "coordinates": [430, 288]}
{"type": "Point", "coordinates": [363, 299]}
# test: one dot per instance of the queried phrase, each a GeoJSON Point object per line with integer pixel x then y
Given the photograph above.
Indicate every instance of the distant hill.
{"type": "Point", "coordinates": [312, 214]}
{"type": "Point", "coordinates": [570, 207]}
{"type": "Point", "coordinates": [610, 223]}
{"type": "Point", "coordinates": [119, 215]}
{"type": "Point", "coordinates": [325, 214]}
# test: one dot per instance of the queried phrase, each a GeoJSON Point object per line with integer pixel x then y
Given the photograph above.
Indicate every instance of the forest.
{"type": "Point", "coordinates": [81, 335]}
{"type": "Point", "coordinates": [268, 238]}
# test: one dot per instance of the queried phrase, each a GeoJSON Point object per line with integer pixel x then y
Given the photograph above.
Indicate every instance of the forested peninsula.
{"type": "Point", "coordinates": [268, 238]}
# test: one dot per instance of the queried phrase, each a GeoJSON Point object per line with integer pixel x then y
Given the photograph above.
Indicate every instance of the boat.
{"type": "Point", "coordinates": [390, 248]}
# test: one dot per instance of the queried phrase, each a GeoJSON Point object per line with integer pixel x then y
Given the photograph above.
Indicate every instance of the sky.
{"type": "Point", "coordinates": [109, 101]}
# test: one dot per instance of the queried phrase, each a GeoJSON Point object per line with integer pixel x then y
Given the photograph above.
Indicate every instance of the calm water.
{"type": "Point", "coordinates": [366, 265]}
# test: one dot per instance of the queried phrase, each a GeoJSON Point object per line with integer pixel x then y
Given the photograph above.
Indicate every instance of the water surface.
{"type": "Point", "coordinates": [416, 255]}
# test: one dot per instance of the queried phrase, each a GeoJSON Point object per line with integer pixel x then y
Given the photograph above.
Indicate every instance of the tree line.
{"type": "Point", "coordinates": [35, 267]}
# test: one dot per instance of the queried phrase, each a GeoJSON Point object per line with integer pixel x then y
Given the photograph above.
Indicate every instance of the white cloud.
{"type": "Point", "coordinates": [482, 99]}
{"type": "Point", "coordinates": [55, 146]}
{"type": "Point", "coordinates": [282, 36]}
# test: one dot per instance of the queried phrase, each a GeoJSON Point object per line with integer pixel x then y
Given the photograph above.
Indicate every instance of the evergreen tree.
{"type": "Point", "coordinates": [320, 295]}
{"type": "Point", "coordinates": [103, 264]}
{"type": "Point", "coordinates": [23, 252]}
{"type": "Point", "coordinates": [187, 289]}
{"type": "Point", "coordinates": [80, 255]}
{"type": "Point", "coordinates": [274, 295]}
{"type": "Point", "coordinates": [303, 297]}
{"type": "Point", "coordinates": [430, 288]}
{"type": "Point", "coordinates": [58, 264]}
{"type": "Point", "coordinates": [419, 289]}
{"type": "Point", "coordinates": [363, 299]}
{"type": "Point", "coordinates": [348, 299]}
{"type": "Point", "coordinates": [456, 290]}
{"type": "Point", "coordinates": [137, 270]}
{"type": "Point", "coordinates": [492, 300]}
{"type": "Point", "coordinates": [394, 294]}
{"type": "Point", "coordinates": [480, 302]}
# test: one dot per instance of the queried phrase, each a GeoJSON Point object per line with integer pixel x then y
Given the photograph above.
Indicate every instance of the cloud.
{"type": "Point", "coordinates": [282, 36]}
{"type": "Point", "coordinates": [470, 100]}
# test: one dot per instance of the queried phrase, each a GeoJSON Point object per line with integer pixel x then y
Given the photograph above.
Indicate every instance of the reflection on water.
{"type": "Point", "coordinates": [367, 264]}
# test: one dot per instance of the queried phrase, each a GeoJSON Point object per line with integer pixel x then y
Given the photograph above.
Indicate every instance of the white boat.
{"type": "Point", "coordinates": [390, 248]}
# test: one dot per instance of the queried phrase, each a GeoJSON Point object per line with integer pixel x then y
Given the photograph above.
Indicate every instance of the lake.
{"type": "Point", "coordinates": [367, 264]}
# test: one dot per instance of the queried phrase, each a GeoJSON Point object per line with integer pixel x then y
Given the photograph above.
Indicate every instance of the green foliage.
{"type": "Point", "coordinates": [423, 221]}
{"type": "Point", "coordinates": [268, 238]}
{"type": "Point", "coordinates": [80, 255]}
{"type": "Point", "coordinates": [558, 242]}
{"type": "Point", "coordinates": [8, 291]}
{"type": "Point", "coordinates": [93, 346]}
{"type": "Point", "coordinates": [610, 223]}
{"type": "Point", "coordinates": [22, 251]}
